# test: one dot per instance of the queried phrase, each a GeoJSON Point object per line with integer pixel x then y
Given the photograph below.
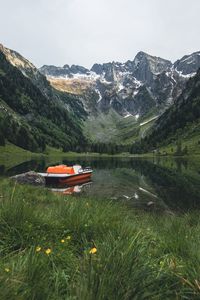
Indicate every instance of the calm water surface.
{"type": "Point", "coordinates": [164, 183]}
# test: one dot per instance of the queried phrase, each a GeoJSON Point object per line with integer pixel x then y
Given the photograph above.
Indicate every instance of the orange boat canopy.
{"type": "Point", "coordinates": [61, 169]}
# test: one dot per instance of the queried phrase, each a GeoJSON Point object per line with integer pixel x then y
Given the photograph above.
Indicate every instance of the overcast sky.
{"type": "Point", "coordinates": [83, 32]}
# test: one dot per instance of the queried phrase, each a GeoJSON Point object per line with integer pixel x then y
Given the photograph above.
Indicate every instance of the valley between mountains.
{"type": "Point", "coordinates": [143, 105]}
{"type": "Point", "coordinates": [133, 230]}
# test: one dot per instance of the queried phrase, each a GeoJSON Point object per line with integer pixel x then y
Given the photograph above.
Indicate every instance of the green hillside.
{"type": "Point", "coordinates": [29, 119]}
{"type": "Point", "coordinates": [112, 128]}
{"type": "Point", "coordinates": [181, 115]}
{"type": "Point", "coordinates": [177, 130]}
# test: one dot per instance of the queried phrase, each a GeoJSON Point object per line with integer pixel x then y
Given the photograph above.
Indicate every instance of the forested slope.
{"type": "Point", "coordinates": [32, 120]}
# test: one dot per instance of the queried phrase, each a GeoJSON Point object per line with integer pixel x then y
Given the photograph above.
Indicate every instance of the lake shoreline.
{"type": "Point", "coordinates": [9, 152]}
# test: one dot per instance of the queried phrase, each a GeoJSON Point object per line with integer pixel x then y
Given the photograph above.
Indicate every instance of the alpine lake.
{"type": "Point", "coordinates": [156, 184]}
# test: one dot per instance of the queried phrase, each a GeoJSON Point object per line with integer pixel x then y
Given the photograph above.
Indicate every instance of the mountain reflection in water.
{"type": "Point", "coordinates": [167, 183]}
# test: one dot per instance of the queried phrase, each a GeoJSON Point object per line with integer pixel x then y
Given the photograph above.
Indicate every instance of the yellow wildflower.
{"type": "Point", "coordinates": [48, 251]}
{"type": "Point", "coordinates": [93, 250]}
{"type": "Point", "coordinates": [68, 237]}
{"type": "Point", "coordinates": [7, 270]}
{"type": "Point", "coordinates": [62, 241]}
{"type": "Point", "coordinates": [38, 249]}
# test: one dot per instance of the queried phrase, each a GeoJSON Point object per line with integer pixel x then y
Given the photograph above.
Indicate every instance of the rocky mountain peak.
{"type": "Point", "coordinates": [66, 66]}
{"type": "Point", "coordinates": [135, 86]}
{"type": "Point", "coordinates": [188, 64]}
{"type": "Point", "coordinates": [78, 69]}
{"type": "Point", "coordinates": [153, 63]}
{"type": "Point", "coordinates": [17, 59]}
{"type": "Point", "coordinates": [26, 67]}
{"type": "Point", "coordinates": [65, 71]}
{"type": "Point", "coordinates": [141, 55]}
{"type": "Point", "coordinates": [107, 70]}
{"type": "Point", "coordinates": [97, 68]}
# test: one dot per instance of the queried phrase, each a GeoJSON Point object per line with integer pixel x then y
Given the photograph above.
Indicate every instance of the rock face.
{"type": "Point", "coordinates": [179, 117]}
{"type": "Point", "coordinates": [65, 71]}
{"type": "Point", "coordinates": [188, 64]}
{"type": "Point", "coordinates": [132, 88]}
{"type": "Point", "coordinates": [31, 177]}
{"type": "Point", "coordinates": [145, 67]}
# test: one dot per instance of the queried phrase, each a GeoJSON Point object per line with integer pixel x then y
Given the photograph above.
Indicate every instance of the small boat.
{"type": "Point", "coordinates": [66, 174]}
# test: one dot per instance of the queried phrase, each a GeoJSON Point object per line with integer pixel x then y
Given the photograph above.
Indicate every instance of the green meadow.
{"type": "Point", "coordinates": [62, 247]}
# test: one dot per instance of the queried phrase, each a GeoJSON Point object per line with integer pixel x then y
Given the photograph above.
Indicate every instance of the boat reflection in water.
{"type": "Point", "coordinates": [71, 188]}
{"type": "Point", "coordinates": [67, 180]}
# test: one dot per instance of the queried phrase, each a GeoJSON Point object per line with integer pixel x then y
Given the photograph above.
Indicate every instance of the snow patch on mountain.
{"type": "Point", "coordinates": [140, 85]}
{"type": "Point", "coordinates": [146, 122]}
{"type": "Point", "coordinates": [128, 115]}
{"type": "Point", "coordinates": [135, 93]}
{"type": "Point", "coordinates": [185, 75]}
{"type": "Point", "coordinates": [99, 94]}
{"type": "Point", "coordinates": [137, 83]}
{"type": "Point", "coordinates": [137, 116]}
{"type": "Point", "coordinates": [120, 87]}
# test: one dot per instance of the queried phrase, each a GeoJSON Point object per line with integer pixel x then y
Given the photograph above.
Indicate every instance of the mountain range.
{"type": "Point", "coordinates": [72, 106]}
{"type": "Point", "coordinates": [131, 88]}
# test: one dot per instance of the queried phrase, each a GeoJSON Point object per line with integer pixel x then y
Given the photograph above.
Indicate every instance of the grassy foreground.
{"type": "Point", "coordinates": [58, 247]}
